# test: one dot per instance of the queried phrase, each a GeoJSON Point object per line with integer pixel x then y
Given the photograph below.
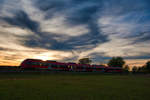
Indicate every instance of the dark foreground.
{"type": "Point", "coordinates": [85, 86]}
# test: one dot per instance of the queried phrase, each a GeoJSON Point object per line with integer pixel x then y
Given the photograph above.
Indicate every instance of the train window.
{"type": "Point", "coordinates": [61, 66]}
{"type": "Point", "coordinates": [80, 67]}
{"type": "Point", "coordinates": [84, 66]}
{"type": "Point", "coordinates": [45, 64]}
{"type": "Point", "coordinates": [36, 63]}
{"type": "Point", "coordinates": [29, 63]}
{"type": "Point", "coordinates": [64, 66]}
{"type": "Point", "coordinates": [48, 64]}
{"type": "Point", "coordinates": [53, 65]}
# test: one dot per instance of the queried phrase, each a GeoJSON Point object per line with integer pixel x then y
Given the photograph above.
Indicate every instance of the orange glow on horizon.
{"type": "Point", "coordinates": [45, 57]}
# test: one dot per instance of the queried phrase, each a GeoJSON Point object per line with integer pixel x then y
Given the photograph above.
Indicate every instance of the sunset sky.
{"type": "Point", "coordinates": [67, 30]}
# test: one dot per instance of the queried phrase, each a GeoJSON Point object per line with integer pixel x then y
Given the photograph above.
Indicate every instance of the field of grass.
{"type": "Point", "coordinates": [74, 87]}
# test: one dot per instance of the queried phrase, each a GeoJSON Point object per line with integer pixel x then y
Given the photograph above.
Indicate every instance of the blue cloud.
{"type": "Point", "coordinates": [122, 19]}
{"type": "Point", "coordinates": [85, 15]}
{"type": "Point", "coordinates": [21, 19]}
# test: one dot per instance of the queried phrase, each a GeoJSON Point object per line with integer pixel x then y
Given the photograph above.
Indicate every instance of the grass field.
{"type": "Point", "coordinates": [74, 87]}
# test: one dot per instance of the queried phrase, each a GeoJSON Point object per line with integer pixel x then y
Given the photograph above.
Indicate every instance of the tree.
{"type": "Point", "coordinates": [85, 61]}
{"type": "Point", "coordinates": [148, 66]}
{"type": "Point", "coordinates": [126, 69]}
{"type": "Point", "coordinates": [134, 69]}
{"type": "Point", "coordinates": [142, 69]}
{"type": "Point", "coordinates": [116, 62]}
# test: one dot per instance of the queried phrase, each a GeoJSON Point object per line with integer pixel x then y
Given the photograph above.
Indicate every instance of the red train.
{"type": "Point", "coordinates": [36, 64]}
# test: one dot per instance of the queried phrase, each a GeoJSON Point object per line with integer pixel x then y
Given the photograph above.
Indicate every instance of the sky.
{"type": "Point", "coordinates": [67, 30]}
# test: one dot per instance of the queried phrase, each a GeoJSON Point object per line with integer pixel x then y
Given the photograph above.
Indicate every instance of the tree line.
{"type": "Point", "coordinates": [120, 62]}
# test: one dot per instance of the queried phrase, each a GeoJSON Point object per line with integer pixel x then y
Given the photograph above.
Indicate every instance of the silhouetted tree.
{"type": "Point", "coordinates": [142, 69]}
{"type": "Point", "coordinates": [85, 61]}
{"type": "Point", "coordinates": [116, 62]}
{"type": "Point", "coordinates": [134, 69]}
{"type": "Point", "coordinates": [139, 69]}
{"type": "Point", "coordinates": [148, 66]}
{"type": "Point", "coordinates": [126, 69]}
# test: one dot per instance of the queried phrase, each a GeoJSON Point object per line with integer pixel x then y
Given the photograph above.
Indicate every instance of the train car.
{"type": "Point", "coordinates": [35, 64]}
{"type": "Point", "coordinates": [72, 66]}
{"type": "Point", "coordinates": [31, 64]}
{"type": "Point", "coordinates": [80, 67]}
{"type": "Point", "coordinates": [61, 67]}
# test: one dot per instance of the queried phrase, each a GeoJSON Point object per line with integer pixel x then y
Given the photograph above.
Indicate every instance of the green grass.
{"type": "Point", "coordinates": [73, 87]}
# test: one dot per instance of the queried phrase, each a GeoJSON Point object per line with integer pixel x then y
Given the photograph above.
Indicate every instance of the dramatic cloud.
{"type": "Point", "coordinates": [67, 30]}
